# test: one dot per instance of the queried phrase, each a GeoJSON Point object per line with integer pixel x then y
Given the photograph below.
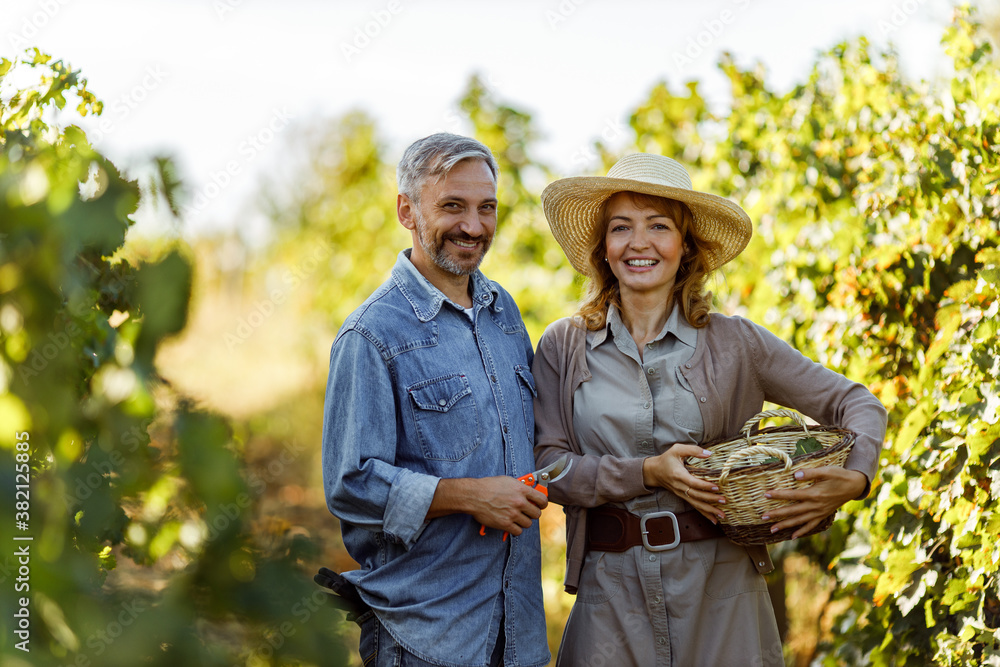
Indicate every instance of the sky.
{"type": "Point", "coordinates": [222, 85]}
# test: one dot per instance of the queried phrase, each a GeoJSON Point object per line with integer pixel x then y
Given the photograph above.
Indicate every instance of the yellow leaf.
{"type": "Point", "coordinates": [948, 319]}
{"type": "Point", "coordinates": [899, 568]}
{"type": "Point", "coordinates": [15, 418]}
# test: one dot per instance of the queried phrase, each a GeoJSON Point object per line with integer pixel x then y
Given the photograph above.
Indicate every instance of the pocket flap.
{"type": "Point", "coordinates": [440, 394]}
{"type": "Point", "coordinates": [683, 381]}
{"type": "Point", "coordinates": [527, 378]}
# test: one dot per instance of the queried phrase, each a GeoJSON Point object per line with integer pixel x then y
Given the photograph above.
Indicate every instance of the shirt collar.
{"type": "Point", "coordinates": [676, 324]}
{"type": "Point", "coordinates": [426, 299]}
{"type": "Point", "coordinates": [596, 338]}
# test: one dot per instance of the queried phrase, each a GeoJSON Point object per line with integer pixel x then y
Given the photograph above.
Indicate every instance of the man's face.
{"type": "Point", "coordinates": [454, 223]}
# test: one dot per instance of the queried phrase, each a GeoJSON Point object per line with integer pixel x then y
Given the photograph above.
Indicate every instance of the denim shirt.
{"type": "Point", "coordinates": [417, 392]}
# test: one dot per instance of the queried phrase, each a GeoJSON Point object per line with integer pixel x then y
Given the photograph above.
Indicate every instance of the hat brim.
{"type": "Point", "coordinates": [571, 207]}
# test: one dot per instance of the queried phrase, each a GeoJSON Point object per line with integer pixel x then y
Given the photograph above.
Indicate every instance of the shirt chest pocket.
{"type": "Point", "coordinates": [446, 417]}
{"type": "Point", "coordinates": [687, 414]}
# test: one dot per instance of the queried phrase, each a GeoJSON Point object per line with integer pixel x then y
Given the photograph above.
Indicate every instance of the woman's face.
{"type": "Point", "coordinates": [644, 247]}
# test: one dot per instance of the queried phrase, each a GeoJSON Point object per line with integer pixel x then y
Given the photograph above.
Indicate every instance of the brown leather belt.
{"type": "Point", "coordinates": [614, 529]}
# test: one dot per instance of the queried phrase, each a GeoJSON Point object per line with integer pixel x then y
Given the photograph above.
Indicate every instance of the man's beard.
{"type": "Point", "coordinates": [439, 254]}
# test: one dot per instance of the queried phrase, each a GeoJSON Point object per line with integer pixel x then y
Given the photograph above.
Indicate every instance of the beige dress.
{"type": "Point", "coordinates": [701, 604]}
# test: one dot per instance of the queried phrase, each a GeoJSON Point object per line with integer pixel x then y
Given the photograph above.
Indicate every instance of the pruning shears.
{"type": "Point", "coordinates": [540, 479]}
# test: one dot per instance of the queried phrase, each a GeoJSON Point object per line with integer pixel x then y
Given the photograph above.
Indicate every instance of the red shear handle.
{"type": "Point", "coordinates": [530, 480]}
{"type": "Point", "coordinates": [527, 480]}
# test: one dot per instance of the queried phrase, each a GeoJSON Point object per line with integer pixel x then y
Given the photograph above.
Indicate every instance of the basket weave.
{"type": "Point", "coordinates": [736, 466]}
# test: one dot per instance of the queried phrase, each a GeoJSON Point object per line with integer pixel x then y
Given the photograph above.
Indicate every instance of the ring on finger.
{"type": "Point", "coordinates": [687, 492]}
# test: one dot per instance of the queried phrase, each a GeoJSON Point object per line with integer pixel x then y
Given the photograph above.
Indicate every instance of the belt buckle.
{"type": "Point", "coordinates": [645, 533]}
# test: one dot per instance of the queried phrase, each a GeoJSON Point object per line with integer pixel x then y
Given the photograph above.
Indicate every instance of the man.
{"type": "Point", "coordinates": [428, 423]}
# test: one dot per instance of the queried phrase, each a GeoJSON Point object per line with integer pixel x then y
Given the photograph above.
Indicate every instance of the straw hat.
{"type": "Point", "coordinates": [572, 206]}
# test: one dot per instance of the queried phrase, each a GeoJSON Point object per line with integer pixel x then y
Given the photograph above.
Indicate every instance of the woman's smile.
{"type": "Point", "coordinates": [643, 246]}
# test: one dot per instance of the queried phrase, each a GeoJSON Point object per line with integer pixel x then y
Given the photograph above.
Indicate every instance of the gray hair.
{"type": "Point", "coordinates": [435, 156]}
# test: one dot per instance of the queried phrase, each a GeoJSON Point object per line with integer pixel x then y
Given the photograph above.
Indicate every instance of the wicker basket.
{"type": "Point", "coordinates": [736, 466]}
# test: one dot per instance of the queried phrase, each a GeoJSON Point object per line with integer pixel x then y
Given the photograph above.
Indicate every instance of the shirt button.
{"type": "Point", "coordinates": [657, 599]}
{"type": "Point", "coordinates": [504, 429]}
{"type": "Point", "coordinates": [644, 443]}
{"type": "Point", "coordinates": [687, 365]}
{"type": "Point", "coordinates": [646, 405]}
{"type": "Point", "coordinates": [652, 558]}
{"type": "Point", "coordinates": [703, 399]}
{"type": "Point", "coordinates": [651, 345]}
{"type": "Point", "coordinates": [661, 641]}
{"type": "Point", "coordinates": [493, 378]}
{"type": "Point", "coordinates": [652, 371]}
{"type": "Point", "coordinates": [442, 402]}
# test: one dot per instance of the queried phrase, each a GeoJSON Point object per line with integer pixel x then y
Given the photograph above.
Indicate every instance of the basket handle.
{"type": "Point", "coordinates": [760, 416]}
{"type": "Point", "coordinates": [756, 449]}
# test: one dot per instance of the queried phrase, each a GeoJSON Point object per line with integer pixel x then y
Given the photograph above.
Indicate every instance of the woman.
{"type": "Point", "coordinates": [630, 386]}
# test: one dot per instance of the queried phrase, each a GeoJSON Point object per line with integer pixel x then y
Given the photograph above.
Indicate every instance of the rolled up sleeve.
{"type": "Point", "coordinates": [363, 486]}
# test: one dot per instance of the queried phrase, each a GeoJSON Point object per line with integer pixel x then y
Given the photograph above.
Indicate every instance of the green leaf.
{"type": "Point", "coordinates": [900, 565]}
{"type": "Point", "coordinates": [211, 468]}
{"type": "Point", "coordinates": [164, 288]}
{"type": "Point", "coordinates": [807, 446]}
{"type": "Point", "coordinates": [948, 319]}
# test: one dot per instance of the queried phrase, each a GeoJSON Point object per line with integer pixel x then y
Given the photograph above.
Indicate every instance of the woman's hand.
{"type": "Point", "coordinates": [832, 487]}
{"type": "Point", "coordinates": [667, 471]}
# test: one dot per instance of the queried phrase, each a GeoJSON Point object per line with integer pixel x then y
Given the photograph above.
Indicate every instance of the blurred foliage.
{"type": "Point", "coordinates": [106, 464]}
{"type": "Point", "coordinates": [163, 534]}
{"type": "Point", "coordinates": [340, 207]}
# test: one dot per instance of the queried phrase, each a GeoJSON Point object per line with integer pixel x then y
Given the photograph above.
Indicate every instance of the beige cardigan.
{"type": "Point", "coordinates": [736, 366]}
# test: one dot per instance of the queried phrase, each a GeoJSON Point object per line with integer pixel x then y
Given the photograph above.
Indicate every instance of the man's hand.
{"type": "Point", "coordinates": [496, 502]}
{"type": "Point", "coordinates": [667, 471]}
{"type": "Point", "coordinates": [832, 487]}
